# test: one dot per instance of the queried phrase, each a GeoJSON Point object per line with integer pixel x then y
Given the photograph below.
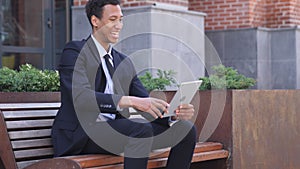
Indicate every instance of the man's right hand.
{"type": "Point", "coordinates": [155, 107]}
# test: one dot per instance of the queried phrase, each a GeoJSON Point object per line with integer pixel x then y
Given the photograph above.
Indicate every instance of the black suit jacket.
{"type": "Point", "coordinates": [82, 85]}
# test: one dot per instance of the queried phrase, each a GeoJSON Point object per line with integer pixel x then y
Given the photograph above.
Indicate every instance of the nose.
{"type": "Point", "coordinates": [119, 25]}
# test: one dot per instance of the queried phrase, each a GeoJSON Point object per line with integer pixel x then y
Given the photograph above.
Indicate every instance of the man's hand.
{"type": "Point", "coordinates": [155, 107]}
{"type": "Point", "coordinates": [184, 112]}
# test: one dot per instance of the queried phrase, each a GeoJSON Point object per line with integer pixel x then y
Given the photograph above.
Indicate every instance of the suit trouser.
{"type": "Point", "coordinates": [136, 138]}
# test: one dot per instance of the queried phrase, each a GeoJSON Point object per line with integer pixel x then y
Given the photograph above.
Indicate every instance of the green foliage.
{"type": "Point", "coordinates": [163, 79]}
{"type": "Point", "coordinates": [226, 78]}
{"type": "Point", "coordinates": [7, 79]}
{"type": "Point", "coordinates": [28, 79]}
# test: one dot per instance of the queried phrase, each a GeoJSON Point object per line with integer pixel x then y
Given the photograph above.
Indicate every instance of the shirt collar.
{"type": "Point", "coordinates": [101, 50]}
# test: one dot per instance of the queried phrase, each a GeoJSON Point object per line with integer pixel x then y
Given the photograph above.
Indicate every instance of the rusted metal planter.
{"type": "Point", "coordinates": [260, 128]}
{"type": "Point", "coordinates": [29, 97]}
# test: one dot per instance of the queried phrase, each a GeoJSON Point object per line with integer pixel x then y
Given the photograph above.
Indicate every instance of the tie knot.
{"type": "Point", "coordinates": [107, 56]}
{"type": "Point", "coordinates": [108, 59]}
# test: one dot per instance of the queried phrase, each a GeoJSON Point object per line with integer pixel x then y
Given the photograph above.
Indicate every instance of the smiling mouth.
{"type": "Point", "coordinates": [115, 34]}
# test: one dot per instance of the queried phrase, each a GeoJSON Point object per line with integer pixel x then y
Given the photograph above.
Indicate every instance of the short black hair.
{"type": "Point", "coordinates": [95, 7]}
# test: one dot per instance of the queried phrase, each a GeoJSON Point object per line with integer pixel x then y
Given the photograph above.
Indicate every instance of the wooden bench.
{"type": "Point", "coordinates": [26, 143]}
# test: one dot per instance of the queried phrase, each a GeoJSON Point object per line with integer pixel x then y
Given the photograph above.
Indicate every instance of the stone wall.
{"type": "Point", "coordinates": [269, 55]}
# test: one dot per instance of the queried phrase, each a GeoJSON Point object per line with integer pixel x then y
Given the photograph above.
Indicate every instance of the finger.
{"type": "Point", "coordinates": [186, 106]}
{"type": "Point", "coordinates": [161, 101]}
{"type": "Point", "coordinates": [185, 113]}
{"type": "Point", "coordinates": [160, 106]}
{"type": "Point", "coordinates": [182, 116]}
{"type": "Point", "coordinates": [157, 111]}
{"type": "Point", "coordinates": [153, 114]}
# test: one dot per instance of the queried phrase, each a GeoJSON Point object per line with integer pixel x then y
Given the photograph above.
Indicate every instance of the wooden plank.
{"type": "Point", "coordinates": [29, 106]}
{"type": "Point", "coordinates": [29, 134]}
{"type": "Point", "coordinates": [207, 146]}
{"type": "Point", "coordinates": [97, 160]}
{"type": "Point", "coordinates": [23, 124]}
{"type": "Point", "coordinates": [19, 154]}
{"type": "Point", "coordinates": [31, 143]}
{"type": "Point", "coordinates": [210, 155]}
{"type": "Point", "coordinates": [116, 166]}
{"type": "Point", "coordinates": [29, 113]}
{"type": "Point", "coordinates": [101, 160]}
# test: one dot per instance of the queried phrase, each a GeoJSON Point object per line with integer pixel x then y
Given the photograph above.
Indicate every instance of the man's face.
{"type": "Point", "coordinates": [107, 29]}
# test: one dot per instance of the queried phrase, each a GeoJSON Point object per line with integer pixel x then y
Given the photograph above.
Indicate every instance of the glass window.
{"type": "Point", "coordinates": [33, 31]}
{"type": "Point", "coordinates": [22, 23]}
{"type": "Point", "coordinates": [14, 60]}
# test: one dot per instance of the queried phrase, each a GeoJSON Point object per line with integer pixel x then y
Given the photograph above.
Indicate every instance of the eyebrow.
{"type": "Point", "coordinates": [115, 16]}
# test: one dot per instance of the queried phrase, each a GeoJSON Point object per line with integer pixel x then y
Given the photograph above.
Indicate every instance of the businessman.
{"type": "Point", "coordinates": [98, 85]}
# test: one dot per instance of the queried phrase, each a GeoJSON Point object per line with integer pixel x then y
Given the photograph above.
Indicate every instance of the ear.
{"type": "Point", "coordinates": [94, 21]}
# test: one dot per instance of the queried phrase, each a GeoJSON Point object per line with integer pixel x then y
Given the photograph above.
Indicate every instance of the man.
{"type": "Point", "coordinates": [98, 85]}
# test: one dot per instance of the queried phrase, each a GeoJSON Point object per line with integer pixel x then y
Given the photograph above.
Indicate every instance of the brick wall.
{"type": "Point", "coordinates": [133, 3]}
{"type": "Point", "coordinates": [234, 14]}
{"type": "Point", "coordinates": [283, 13]}
{"type": "Point", "coordinates": [231, 14]}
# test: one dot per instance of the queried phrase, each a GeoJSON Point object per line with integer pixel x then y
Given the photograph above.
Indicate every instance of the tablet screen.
{"type": "Point", "coordinates": [184, 95]}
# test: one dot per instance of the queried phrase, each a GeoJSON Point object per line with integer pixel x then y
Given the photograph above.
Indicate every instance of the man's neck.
{"type": "Point", "coordinates": [106, 46]}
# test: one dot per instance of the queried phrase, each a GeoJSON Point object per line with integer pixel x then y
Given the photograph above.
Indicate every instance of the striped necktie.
{"type": "Point", "coordinates": [109, 66]}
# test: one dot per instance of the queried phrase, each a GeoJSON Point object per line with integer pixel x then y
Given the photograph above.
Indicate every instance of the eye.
{"type": "Point", "coordinates": [112, 19]}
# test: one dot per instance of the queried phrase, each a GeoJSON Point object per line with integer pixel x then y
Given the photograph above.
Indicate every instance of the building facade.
{"type": "Point", "coordinates": [258, 37]}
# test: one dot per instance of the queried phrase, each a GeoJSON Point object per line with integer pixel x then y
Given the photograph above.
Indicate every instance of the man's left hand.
{"type": "Point", "coordinates": [184, 112]}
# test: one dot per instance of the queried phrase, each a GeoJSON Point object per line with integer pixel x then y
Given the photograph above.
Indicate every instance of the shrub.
{"type": "Point", "coordinates": [226, 78]}
{"type": "Point", "coordinates": [163, 79]}
{"type": "Point", "coordinates": [28, 79]}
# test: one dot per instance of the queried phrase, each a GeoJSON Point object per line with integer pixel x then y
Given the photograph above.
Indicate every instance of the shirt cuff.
{"type": "Point", "coordinates": [118, 108]}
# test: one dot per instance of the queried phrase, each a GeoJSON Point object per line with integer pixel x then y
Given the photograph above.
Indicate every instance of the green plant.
{"type": "Point", "coordinates": [163, 79]}
{"type": "Point", "coordinates": [28, 79]}
{"type": "Point", "coordinates": [226, 78]}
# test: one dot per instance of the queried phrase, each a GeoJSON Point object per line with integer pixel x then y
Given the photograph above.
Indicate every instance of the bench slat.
{"type": "Point", "coordinates": [162, 162]}
{"type": "Point", "coordinates": [207, 146]}
{"type": "Point", "coordinates": [29, 124]}
{"type": "Point", "coordinates": [96, 160]}
{"type": "Point", "coordinates": [31, 143]}
{"type": "Point", "coordinates": [33, 153]}
{"type": "Point", "coordinates": [210, 155]}
{"type": "Point", "coordinates": [29, 134]}
{"type": "Point", "coordinates": [30, 106]}
{"type": "Point", "coordinates": [29, 114]}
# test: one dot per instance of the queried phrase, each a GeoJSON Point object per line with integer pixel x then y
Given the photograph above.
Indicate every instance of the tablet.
{"type": "Point", "coordinates": [184, 95]}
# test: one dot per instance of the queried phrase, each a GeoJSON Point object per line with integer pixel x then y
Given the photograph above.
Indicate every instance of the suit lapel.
{"type": "Point", "coordinates": [100, 79]}
{"type": "Point", "coordinates": [93, 49]}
